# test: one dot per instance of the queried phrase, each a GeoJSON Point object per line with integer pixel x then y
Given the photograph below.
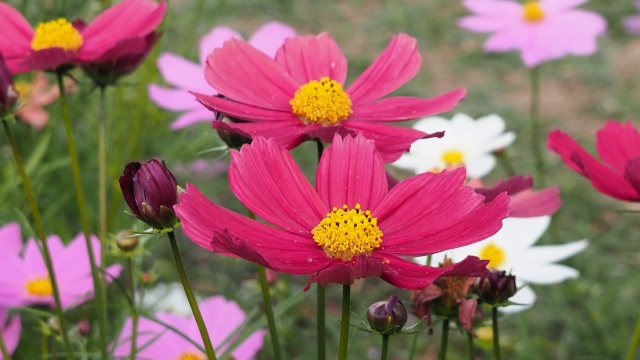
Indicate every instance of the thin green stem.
{"type": "Point", "coordinates": [470, 343]}
{"type": "Point", "coordinates": [534, 123]}
{"type": "Point", "coordinates": [211, 355]}
{"type": "Point", "coordinates": [414, 347]}
{"type": "Point", "coordinates": [268, 310]}
{"type": "Point", "coordinates": [46, 254]}
{"type": "Point", "coordinates": [496, 335]}
{"type": "Point", "coordinates": [102, 176]}
{"type": "Point", "coordinates": [134, 311]}
{"type": "Point", "coordinates": [385, 347]}
{"type": "Point", "coordinates": [444, 343]}
{"type": "Point", "coordinates": [3, 348]}
{"type": "Point", "coordinates": [344, 322]}
{"type": "Point", "coordinates": [101, 307]}
{"type": "Point", "coordinates": [634, 342]}
{"type": "Point", "coordinates": [320, 303]}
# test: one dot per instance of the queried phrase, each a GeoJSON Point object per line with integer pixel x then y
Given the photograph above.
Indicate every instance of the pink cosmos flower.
{"type": "Point", "coordinates": [619, 147]}
{"type": "Point", "coordinates": [300, 94]}
{"type": "Point", "coordinates": [632, 23]}
{"type": "Point", "coordinates": [118, 31]}
{"type": "Point", "coordinates": [541, 30]}
{"type": "Point", "coordinates": [186, 76]}
{"type": "Point", "coordinates": [222, 317]}
{"type": "Point", "coordinates": [24, 279]}
{"type": "Point", "coordinates": [350, 226]}
{"type": "Point", "coordinates": [523, 200]}
{"type": "Point", "coordinates": [11, 329]}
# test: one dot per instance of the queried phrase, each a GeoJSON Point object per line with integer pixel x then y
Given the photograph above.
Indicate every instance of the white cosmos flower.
{"type": "Point", "coordinates": [466, 142]}
{"type": "Point", "coordinates": [511, 249]}
{"type": "Point", "coordinates": [168, 297]}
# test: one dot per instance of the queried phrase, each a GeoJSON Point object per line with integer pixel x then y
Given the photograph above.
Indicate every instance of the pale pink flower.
{"type": "Point", "coordinates": [35, 95]}
{"type": "Point", "coordinates": [11, 329]}
{"type": "Point", "coordinates": [187, 76]}
{"type": "Point", "coordinates": [24, 279]}
{"type": "Point", "coordinates": [221, 317]}
{"type": "Point", "coordinates": [632, 23]}
{"type": "Point", "coordinates": [541, 30]}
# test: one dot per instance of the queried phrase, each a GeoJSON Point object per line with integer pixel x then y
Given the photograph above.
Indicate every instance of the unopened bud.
{"type": "Point", "coordinates": [496, 288]}
{"type": "Point", "coordinates": [126, 240]}
{"type": "Point", "coordinates": [147, 278]}
{"type": "Point", "coordinates": [387, 317]}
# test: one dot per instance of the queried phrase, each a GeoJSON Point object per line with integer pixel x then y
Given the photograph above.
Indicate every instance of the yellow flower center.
{"type": "Point", "coordinates": [189, 355]}
{"type": "Point", "coordinates": [533, 11]}
{"type": "Point", "coordinates": [321, 102]}
{"type": "Point", "coordinates": [24, 90]}
{"type": "Point", "coordinates": [39, 286]}
{"type": "Point", "coordinates": [56, 34]}
{"type": "Point", "coordinates": [494, 254]}
{"type": "Point", "coordinates": [453, 158]}
{"type": "Point", "coordinates": [345, 233]}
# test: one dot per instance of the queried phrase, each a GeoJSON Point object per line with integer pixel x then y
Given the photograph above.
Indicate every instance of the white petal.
{"type": "Point", "coordinates": [518, 234]}
{"type": "Point", "coordinates": [553, 253]}
{"type": "Point", "coordinates": [546, 274]}
{"type": "Point", "coordinates": [480, 166]}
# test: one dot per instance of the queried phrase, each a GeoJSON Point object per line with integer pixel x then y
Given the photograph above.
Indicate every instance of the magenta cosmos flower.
{"type": "Point", "coordinates": [541, 30]}
{"type": "Point", "coordinates": [117, 32]}
{"type": "Point", "coordinates": [523, 200]}
{"type": "Point", "coordinates": [222, 317]}
{"type": "Point", "coordinates": [300, 94]}
{"type": "Point", "coordinates": [24, 279]}
{"type": "Point", "coordinates": [350, 226]}
{"type": "Point", "coordinates": [618, 146]}
{"type": "Point", "coordinates": [186, 76]}
{"type": "Point", "coordinates": [11, 329]}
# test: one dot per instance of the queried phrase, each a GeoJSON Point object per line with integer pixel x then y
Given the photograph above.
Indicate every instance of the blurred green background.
{"type": "Point", "coordinates": [588, 318]}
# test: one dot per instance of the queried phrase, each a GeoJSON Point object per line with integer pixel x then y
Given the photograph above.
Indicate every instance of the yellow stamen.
{"type": "Point", "coordinates": [321, 102]}
{"type": "Point", "coordinates": [495, 254]}
{"type": "Point", "coordinates": [533, 11]}
{"type": "Point", "coordinates": [39, 286]}
{"type": "Point", "coordinates": [56, 34]}
{"type": "Point", "coordinates": [346, 233]}
{"type": "Point", "coordinates": [453, 158]}
{"type": "Point", "coordinates": [189, 355]}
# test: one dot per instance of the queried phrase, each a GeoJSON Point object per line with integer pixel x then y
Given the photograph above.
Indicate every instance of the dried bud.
{"type": "Point", "coordinates": [8, 94]}
{"type": "Point", "coordinates": [126, 240]}
{"type": "Point", "coordinates": [387, 317]}
{"type": "Point", "coordinates": [151, 190]}
{"type": "Point", "coordinates": [496, 288]}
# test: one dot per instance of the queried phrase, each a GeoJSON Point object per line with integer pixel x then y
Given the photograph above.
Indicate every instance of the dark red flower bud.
{"type": "Point", "coordinates": [8, 94]}
{"type": "Point", "coordinates": [496, 287]}
{"type": "Point", "coordinates": [387, 317]}
{"type": "Point", "coordinates": [151, 190]}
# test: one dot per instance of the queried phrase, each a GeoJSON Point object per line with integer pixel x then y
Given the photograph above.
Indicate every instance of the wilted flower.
{"type": "Point", "coordinates": [11, 327]}
{"type": "Point", "coordinates": [618, 174]}
{"type": "Point", "coordinates": [541, 30]}
{"type": "Point", "coordinates": [119, 31]}
{"type": "Point", "coordinates": [222, 317]}
{"type": "Point", "coordinates": [466, 143]}
{"type": "Point", "coordinates": [24, 280]}
{"type": "Point", "coordinates": [523, 200]}
{"type": "Point", "coordinates": [350, 226]}
{"type": "Point", "coordinates": [300, 94]}
{"type": "Point", "coordinates": [496, 287]}
{"type": "Point", "coordinates": [511, 249]}
{"type": "Point", "coordinates": [387, 317]}
{"type": "Point", "coordinates": [151, 190]}
{"type": "Point", "coordinates": [186, 76]}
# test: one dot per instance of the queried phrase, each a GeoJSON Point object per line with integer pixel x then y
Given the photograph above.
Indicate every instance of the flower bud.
{"type": "Point", "coordinates": [126, 240]}
{"type": "Point", "coordinates": [387, 317]}
{"type": "Point", "coordinates": [54, 325]}
{"type": "Point", "coordinates": [496, 288]}
{"type": "Point", "coordinates": [147, 279]}
{"type": "Point", "coordinates": [8, 94]}
{"type": "Point", "coordinates": [84, 327]}
{"type": "Point", "coordinates": [151, 190]}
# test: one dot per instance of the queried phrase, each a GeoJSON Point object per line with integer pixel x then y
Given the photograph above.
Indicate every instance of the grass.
{"type": "Point", "coordinates": [588, 318]}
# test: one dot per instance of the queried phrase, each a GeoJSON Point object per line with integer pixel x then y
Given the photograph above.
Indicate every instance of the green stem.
{"type": "Point", "coordinates": [385, 347]}
{"type": "Point", "coordinates": [470, 343]}
{"type": "Point", "coordinates": [102, 177]}
{"type": "Point", "coordinates": [442, 354]}
{"type": "Point", "coordinates": [268, 310]}
{"type": "Point", "coordinates": [634, 342]}
{"type": "Point", "coordinates": [414, 347]}
{"type": "Point", "coordinates": [321, 326]}
{"type": "Point", "coordinates": [46, 254]}
{"type": "Point", "coordinates": [84, 219]}
{"type": "Point", "coordinates": [134, 311]}
{"type": "Point", "coordinates": [211, 355]}
{"type": "Point", "coordinates": [496, 336]}
{"type": "Point", "coordinates": [344, 322]}
{"type": "Point", "coordinates": [3, 348]}
{"type": "Point", "coordinates": [536, 141]}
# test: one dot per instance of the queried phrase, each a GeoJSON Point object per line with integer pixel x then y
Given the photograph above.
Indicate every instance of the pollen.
{"type": "Point", "coordinates": [494, 254]}
{"type": "Point", "coordinates": [453, 158]}
{"type": "Point", "coordinates": [56, 34]}
{"type": "Point", "coordinates": [40, 286]}
{"type": "Point", "coordinates": [533, 11]}
{"type": "Point", "coordinates": [321, 102]}
{"type": "Point", "coordinates": [346, 233]}
{"type": "Point", "coordinates": [190, 355]}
